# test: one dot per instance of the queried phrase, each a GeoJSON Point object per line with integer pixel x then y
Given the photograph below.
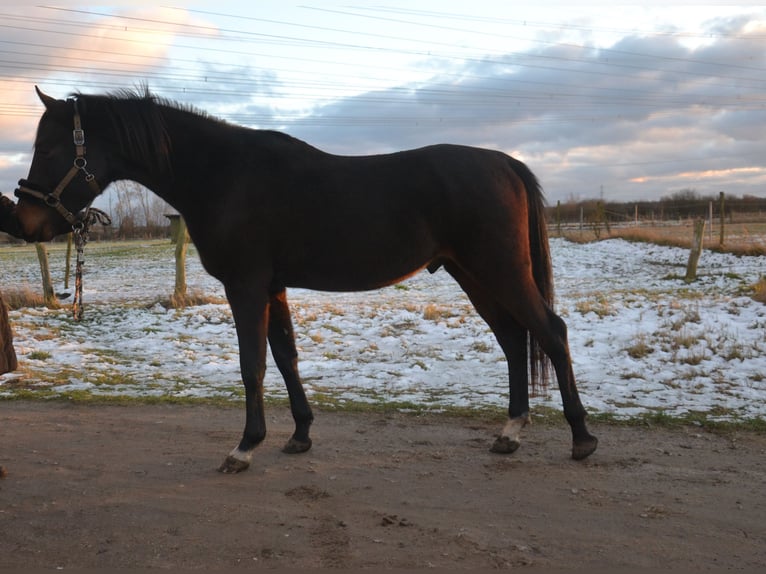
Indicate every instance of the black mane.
{"type": "Point", "coordinates": [137, 120]}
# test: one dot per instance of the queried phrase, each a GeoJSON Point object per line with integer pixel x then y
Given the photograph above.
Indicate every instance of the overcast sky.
{"type": "Point", "coordinates": [622, 102]}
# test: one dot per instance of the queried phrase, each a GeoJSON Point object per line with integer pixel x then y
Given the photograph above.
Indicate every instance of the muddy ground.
{"type": "Point", "coordinates": [136, 486]}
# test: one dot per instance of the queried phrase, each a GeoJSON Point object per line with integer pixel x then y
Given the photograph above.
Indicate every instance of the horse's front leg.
{"type": "Point", "coordinates": [250, 308]}
{"type": "Point", "coordinates": [282, 342]}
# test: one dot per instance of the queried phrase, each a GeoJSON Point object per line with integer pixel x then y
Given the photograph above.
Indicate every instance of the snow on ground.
{"type": "Point", "coordinates": [642, 340]}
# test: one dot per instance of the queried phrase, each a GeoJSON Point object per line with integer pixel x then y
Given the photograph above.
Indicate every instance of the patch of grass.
{"type": "Point", "coordinates": [640, 348]}
{"type": "Point", "coordinates": [316, 337]}
{"type": "Point", "coordinates": [751, 249]}
{"type": "Point", "coordinates": [21, 297]}
{"type": "Point", "coordinates": [435, 312]}
{"type": "Point", "coordinates": [708, 420]}
{"type": "Point", "coordinates": [683, 339]}
{"type": "Point", "coordinates": [333, 328]}
{"type": "Point", "coordinates": [658, 236]}
{"type": "Point", "coordinates": [679, 323]}
{"type": "Point", "coordinates": [86, 397]}
{"type": "Point", "coordinates": [674, 236]}
{"type": "Point", "coordinates": [672, 277]}
{"type": "Point", "coordinates": [38, 356]}
{"type": "Point", "coordinates": [759, 290]}
{"type": "Point", "coordinates": [694, 357]}
{"type": "Point", "coordinates": [481, 347]}
{"type": "Point", "coordinates": [193, 299]}
{"type": "Point", "coordinates": [600, 306]}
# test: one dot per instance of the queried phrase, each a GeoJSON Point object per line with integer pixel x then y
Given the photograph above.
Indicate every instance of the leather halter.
{"type": "Point", "coordinates": [53, 199]}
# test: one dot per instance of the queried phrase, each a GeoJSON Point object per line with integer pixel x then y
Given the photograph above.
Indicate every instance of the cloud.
{"type": "Point", "coordinates": [637, 119]}
{"type": "Point", "coordinates": [643, 118]}
{"type": "Point", "coordinates": [63, 55]}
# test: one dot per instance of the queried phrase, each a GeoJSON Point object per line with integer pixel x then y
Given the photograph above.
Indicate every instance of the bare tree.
{"type": "Point", "coordinates": [137, 207]}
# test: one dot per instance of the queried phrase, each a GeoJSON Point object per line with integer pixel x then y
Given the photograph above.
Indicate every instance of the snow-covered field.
{"type": "Point", "coordinates": [642, 340]}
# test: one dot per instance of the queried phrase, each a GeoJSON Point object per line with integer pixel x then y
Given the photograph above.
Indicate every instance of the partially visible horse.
{"type": "Point", "coordinates": [267, 212]}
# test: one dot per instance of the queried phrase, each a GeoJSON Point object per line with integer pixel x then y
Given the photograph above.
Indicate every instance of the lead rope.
{"type": "Point", "coordinates": [80, 236]}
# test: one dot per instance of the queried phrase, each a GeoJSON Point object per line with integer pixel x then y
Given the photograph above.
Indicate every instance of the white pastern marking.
{"type": "Point", "coordinates": [512, 428]}
{"type": "Point", "coordinates": [241, 455]}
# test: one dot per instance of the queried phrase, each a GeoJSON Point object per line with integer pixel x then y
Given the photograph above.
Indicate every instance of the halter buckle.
{"type": "Point", "coordinates": [51, 200]}
{"type": "Point", "coordinates": [78, 135]}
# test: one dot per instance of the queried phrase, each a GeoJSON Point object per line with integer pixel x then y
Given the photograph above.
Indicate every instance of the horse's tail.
{"type": "Point", "coordinates": [542, 270]}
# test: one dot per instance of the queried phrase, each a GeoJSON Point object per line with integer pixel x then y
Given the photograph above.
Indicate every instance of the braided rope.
{"type": "Point", "coordinates": [80, 235]}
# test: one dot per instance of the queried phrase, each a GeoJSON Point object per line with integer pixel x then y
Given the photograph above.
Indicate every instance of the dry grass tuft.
{"type": "Point", "coordinates": [759, 290]}
{"type": "Point", "coordinates": [22, 297]}
{"type": "Point", "coordinates": [677, 236]}
{"type": "Point", "coordinates": [193, 299]}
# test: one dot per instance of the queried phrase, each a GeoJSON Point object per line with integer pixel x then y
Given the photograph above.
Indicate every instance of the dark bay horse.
{"type": "Point", "coordinates": [267, 212]}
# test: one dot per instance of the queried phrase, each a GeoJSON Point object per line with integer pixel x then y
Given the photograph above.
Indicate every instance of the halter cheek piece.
{"type": "Point", "coordinates": [80, 164]}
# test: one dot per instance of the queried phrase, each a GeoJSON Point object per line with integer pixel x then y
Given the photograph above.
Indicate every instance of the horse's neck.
{"type": "Point", "coordinates": [185, 168]}
{"type": "Point", "coordinates": [204, 153]}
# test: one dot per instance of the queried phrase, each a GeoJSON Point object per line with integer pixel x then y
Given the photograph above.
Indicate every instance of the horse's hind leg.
{"type": "Point", "coordinates": [512, 339]}
{"type": "Point", "coordinates": [519, 296]}
{"type": "Point", "coordinates": [282, 343]}
{"type": "Point", "coordinates": [551, 333]}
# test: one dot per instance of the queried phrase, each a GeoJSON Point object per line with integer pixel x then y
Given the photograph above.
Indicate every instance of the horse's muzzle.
{"type": "Point", "coordinates": [9, 222]}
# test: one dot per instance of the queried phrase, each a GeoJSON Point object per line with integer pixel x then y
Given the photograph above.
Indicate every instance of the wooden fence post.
{"type": "Point", "coordinates": [179, 294]}
{"type": "Point", "coordinates": [45, 271]}
{"type": "Point", "coordinates": [68, 263]}
{"type": "Point", "coordinates": [721, 208]}
{"type": "Point", "coordinates": [696, 250]}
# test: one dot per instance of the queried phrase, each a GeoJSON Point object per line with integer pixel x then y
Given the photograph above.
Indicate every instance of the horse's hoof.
{"type": "Point", "coordinates": [504, 445]}
{"type": "Point", "coordinates": [294, 446]}
{"type": "Point", "coordinates": [233, 465]}
{"type": "Point", "coordinates": [585, 448]}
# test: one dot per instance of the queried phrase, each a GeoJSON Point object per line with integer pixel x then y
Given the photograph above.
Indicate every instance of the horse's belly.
{"type": "Point", "coordinates": [355, 276]}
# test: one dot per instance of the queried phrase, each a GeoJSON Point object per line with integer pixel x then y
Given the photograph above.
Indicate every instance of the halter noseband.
{"type": "Point", "coordinates": [53, 199]}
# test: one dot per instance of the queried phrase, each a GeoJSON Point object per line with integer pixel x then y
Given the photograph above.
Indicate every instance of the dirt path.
{"type": "Point", "coordinates": [108, 486]}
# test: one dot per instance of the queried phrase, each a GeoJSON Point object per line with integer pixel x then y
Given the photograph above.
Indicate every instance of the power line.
{"type": "Point", "coordinates": [509, 90]}
{"type": "Point", "coordinates": [652, 57]}
{"type": "Point", "coordinates": [244, 35]}
{"type": "Point", "coordinates": [549, 25]}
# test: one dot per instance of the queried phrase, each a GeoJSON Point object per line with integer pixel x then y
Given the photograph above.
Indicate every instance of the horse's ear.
{"type": "Point", "coordinates": [47, 101]}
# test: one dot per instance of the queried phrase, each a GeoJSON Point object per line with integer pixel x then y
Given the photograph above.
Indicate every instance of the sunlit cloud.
{"type": "Point", "coordinates": [129, 44]}
{"type": "Point", "coordinates": [106, 52]}
{"type": "Point", "coordinates": [593, 104]}
{"type": "Point", "coordinates": [719, 173]}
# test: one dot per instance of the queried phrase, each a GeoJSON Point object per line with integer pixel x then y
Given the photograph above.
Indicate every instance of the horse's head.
{"type": "Point", "coordinates": [62, 180]}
